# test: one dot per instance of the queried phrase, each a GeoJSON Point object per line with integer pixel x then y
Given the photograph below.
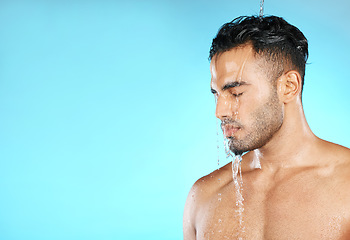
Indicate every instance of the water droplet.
{"type": "Point", "coordinates": [220, 220]}
{"type": "Point", "coordinates": [219, 194]}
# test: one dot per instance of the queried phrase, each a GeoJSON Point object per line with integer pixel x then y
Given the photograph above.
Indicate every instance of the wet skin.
{"type": "Point", "coordinates": [302, 190]}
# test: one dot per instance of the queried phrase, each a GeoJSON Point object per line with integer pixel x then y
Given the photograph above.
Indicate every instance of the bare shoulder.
{"type": "Point", "coordinates": [337, 158]}
{"type": "Point", "coordinates": [200, 193]}
{"type": "Point", "coordinates": [339, 150]}
{"type": "Point", "coordinates": [341, 177]}
{"type": "Point", "coordinates": [337, 154]}
{"type": "Point", "coordinates": [342, 157]}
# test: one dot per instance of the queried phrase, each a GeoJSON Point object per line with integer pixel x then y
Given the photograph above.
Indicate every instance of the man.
{"type": "Point", "coordinates": [302, 190]}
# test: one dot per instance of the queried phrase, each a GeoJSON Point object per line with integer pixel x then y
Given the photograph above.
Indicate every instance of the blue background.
{"type": "Point", "coordinates": [106, 113]}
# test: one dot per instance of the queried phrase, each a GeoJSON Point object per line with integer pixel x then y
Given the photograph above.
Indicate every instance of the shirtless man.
{"type": "Point", "coordinates": [302, 190]}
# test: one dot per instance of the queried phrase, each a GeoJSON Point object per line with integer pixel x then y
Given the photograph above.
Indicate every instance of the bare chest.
{"type": "Point", "coordinates": [291, 210]}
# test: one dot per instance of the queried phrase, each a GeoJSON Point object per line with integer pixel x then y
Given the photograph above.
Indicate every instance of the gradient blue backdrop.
{"type": "Point", "coordinates": [106, 113]}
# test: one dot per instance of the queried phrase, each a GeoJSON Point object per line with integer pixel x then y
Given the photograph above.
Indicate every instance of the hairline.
{"type": "Point", "coordinates": [263, 58]}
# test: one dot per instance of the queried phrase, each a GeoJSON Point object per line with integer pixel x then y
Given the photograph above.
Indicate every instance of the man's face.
{"type": "Point", "coordinates": [247, 100]}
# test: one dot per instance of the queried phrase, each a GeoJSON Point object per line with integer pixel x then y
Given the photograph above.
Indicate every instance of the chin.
{"type": "Point", "coordinates": [237, 150]}
{"type": "Point", "coordinates": [238, 147]}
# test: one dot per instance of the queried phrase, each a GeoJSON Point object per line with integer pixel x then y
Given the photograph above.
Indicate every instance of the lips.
{"type": "Point", "coordinates": [229, 130]}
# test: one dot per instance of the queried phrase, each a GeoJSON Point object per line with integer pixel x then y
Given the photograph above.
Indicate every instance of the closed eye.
{"type": "Point", "coordinates": [237, 95]}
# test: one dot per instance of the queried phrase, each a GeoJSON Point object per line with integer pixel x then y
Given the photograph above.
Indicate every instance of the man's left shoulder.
{"type": "Point", "coordinates": [340, 155]}
{"type": "Point", "coordinates": [336, 162]}
{"type": "Point", "coordinates": [336, 154]}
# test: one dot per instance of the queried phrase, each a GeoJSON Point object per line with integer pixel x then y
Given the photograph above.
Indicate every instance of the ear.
{"type": "Point", "coordinates": [289, 86]}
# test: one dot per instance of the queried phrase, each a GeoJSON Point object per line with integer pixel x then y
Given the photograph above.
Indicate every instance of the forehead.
{"type": "Point", "coordinates": [236, 64]}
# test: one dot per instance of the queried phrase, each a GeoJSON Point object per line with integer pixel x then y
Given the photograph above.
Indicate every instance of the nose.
{"type": "Point", "coordinates": [225, 107]}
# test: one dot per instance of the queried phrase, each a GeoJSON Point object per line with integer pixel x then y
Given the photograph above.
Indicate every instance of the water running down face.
{"type": "Point", "coordinates": [247, 99]}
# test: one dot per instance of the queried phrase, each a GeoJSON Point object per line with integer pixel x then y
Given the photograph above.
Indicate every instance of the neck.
{"type": "Point", "coordinates": [291, 145]}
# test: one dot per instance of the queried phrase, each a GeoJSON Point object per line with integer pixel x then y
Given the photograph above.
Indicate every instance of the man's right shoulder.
{"type": "Point", "coordinates": [205, 187]}
{"type": "Point", "coordinates": [208, 185]}
{"type": "Point", "coordinates": [201, 192]}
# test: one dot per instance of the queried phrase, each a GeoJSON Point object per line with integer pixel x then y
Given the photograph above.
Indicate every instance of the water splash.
{"type": "Point", "coordinates": [261, 13]}
{"type": "Point", "coordinates": [256, 160]}
{"type": "Point", "coordinates": [227, 148]}
{"type": "Point", "coordinates": [238, 184]}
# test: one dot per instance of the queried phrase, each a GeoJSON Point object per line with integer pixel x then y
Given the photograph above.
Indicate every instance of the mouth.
{"type": "Point", "coordinates": [229, 130]}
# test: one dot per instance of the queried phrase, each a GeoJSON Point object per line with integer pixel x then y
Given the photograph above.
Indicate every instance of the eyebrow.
{"type": "Point", "coordinates": [231, 85]}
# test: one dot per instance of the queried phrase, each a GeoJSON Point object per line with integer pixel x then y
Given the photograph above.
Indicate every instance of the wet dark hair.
{"type": "Point", "coordinates": [277, 41]}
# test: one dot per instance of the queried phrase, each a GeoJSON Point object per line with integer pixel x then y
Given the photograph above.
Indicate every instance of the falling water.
{"type": "Point", "coordinates": [227, 149]}
{"type": "Point", "coordinates": [217, 136]}
{"type": "Point", "coordinates": [237, 159]}
{"type": "Point", "coordinates": [238, 188]}
{"type": "Point", "coordinates": [238, 184]}
{"type": "Point", "coordinates": [217, 142]}
{"type": "Point", "coordinates": [261, 13]}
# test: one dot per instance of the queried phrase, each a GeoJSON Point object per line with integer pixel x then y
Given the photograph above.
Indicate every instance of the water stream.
{"type": "Point", "coordinates": [238, 183]}
{"type": "Point", "coordinates": [236, 161]}
{"type": "Point", "coordinates": [217, 142]}
{"type": "Point", "coordinates": [261, 13]}
{"type": "Point", "coordinates": [238, 189]}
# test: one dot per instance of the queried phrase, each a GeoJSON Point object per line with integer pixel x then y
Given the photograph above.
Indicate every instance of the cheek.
{"type": "Point", "coordinates": [254, 98]}
{"type": "Point", "coordinates": [247, 106]}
